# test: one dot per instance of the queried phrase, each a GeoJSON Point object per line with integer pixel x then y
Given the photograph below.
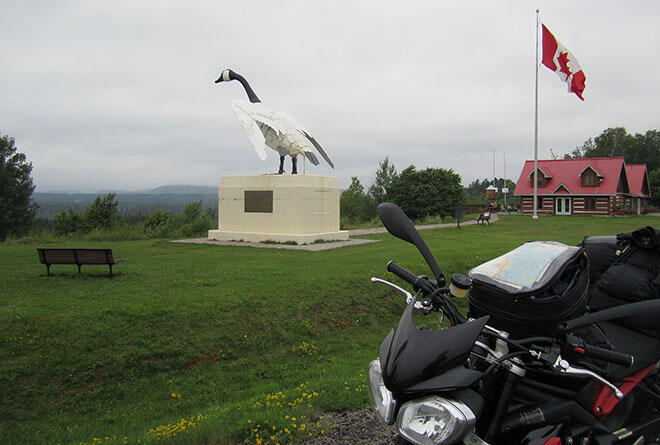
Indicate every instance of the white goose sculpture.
{"type": "Point", "coordinates": [275, 129]}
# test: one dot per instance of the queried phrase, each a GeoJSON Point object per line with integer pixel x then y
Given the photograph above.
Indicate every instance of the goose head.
{"type": "Point", "coordinates": [226, 76]}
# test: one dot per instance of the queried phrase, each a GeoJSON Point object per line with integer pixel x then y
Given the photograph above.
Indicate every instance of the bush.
{"type": "Point", "coordinates": [102, 213]}
{"type": "Point", "coordinates": [68, 222]}
{"type": "Point", "coordinates": [429, 192]}
{"type": "Point", "coordinates": [158, 224]}
{"type": "Point", "coordinates": [355, 206]}
{"type": "Point", "coordinates": [193, 221]}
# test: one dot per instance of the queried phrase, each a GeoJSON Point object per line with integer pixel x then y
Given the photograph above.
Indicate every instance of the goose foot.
{"type": "Point", "coordinates": [294, 163]}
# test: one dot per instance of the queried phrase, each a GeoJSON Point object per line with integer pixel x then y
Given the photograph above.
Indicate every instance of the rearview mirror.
{"type": "Point", "coordinates": [398, 224]}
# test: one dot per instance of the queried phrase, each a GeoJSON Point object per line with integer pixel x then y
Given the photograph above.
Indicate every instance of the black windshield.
{"type": "Point", "coordinates": [411, 356]}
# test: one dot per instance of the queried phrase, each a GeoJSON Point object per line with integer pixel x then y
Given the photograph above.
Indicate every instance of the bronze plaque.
{"type": "Point", "coordinates": [258, 201]}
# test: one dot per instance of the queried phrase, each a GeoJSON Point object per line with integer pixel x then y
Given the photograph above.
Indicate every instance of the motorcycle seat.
{"type": "Point", "coordinates": [644, 348]}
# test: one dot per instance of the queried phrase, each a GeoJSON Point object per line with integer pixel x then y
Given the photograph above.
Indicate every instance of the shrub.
{"type": "Point", "coordinates": [67, 222]}
{"type": "Point", "coordinates": [158, 224]}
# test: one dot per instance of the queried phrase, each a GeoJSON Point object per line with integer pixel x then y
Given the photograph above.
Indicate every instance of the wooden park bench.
{"type": "Point", "coordinates": [76, 256]}
{"type": "Point", "coordinates": [484, 218]}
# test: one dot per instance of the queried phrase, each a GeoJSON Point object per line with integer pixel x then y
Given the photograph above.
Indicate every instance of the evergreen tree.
{"type": "Point", "coordinates": [17, 210]}
{"type": "Point", "coordinates": [385, 175]}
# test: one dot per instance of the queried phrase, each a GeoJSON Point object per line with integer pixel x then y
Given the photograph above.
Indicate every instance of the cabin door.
{"type": "Point", "coordinates": [563, 206]}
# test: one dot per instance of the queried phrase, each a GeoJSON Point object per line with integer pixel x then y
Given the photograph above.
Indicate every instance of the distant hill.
{"type": "Point", "coordinates": [184, 189]}
{"type": "Point", "coordinates": [172, 198]}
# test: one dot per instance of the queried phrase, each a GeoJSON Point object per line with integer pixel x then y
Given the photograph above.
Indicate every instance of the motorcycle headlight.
{"type": "Point", "coordinates": [434, 420]}
{"type": "Point", "coordinates": [382, 398]}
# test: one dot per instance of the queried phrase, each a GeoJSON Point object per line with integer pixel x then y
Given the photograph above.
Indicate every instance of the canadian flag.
{"type": "Point", "coordinates": [561, 61]}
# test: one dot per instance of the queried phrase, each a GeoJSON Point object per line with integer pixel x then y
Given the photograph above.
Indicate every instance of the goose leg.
{"type": "Point", "coordinates": [281, 165]}
{"type": "Point", "coordinates": [294, 162]}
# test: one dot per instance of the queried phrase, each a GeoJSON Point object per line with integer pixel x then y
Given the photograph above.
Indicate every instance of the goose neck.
{"type": "Point", "coordinates": [248, 89]}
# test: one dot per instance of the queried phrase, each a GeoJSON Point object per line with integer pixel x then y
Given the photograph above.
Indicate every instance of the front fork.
{"type": "Point", "coordinates": [514, 374]}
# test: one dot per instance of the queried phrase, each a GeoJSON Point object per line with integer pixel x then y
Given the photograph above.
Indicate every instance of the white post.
{"type": "Point", "coordinates": [536, 120]}
{"type": "Point", "coordinates": [494, 185]}
{"type": "Point", "coordinates": [506, 186]}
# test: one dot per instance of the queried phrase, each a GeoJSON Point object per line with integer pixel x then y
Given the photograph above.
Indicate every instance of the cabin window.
{"type": "Point", "coordinates": [590, 203]}
{"type": "Point", "coordinates": [539, 202]}
{"type": "Point", "coordinates": [540, 182]}
{"type": "Point", "coordinates": [589, 178]}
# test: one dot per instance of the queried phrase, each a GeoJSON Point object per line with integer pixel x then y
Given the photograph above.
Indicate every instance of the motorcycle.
{"type": "Point", "coordinates": [473, 383]}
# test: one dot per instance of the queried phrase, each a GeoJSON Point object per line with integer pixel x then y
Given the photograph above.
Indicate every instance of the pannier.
{"type": "Point", "coordinates": [532, 288]}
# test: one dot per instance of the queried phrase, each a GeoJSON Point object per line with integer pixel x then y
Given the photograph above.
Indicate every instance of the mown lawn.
{"type": "Point", "coordinates": [210, 344]}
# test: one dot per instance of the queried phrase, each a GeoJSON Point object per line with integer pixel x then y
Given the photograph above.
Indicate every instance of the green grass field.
{"type": "Point", "coordinates": [211, 344]}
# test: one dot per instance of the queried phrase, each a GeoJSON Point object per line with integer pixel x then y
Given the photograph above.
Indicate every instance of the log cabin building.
{"type": "Point", "coordinates": [591, 186]}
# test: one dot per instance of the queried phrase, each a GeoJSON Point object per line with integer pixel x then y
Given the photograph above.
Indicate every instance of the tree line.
{"type": "Point", "coordinates": [419, 193]}
{"type": "Point", "coordinates": [103, 216]}
{"type": "Point", "coordinates": [640, 148]}
{"type": "Point", "coordinates": [476, 191]}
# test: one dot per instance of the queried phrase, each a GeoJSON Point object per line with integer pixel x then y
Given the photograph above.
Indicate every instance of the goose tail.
{"type": "Point", "coordinates": [318, 148]}
{"type": "Point", "coordinates": [312, 157]}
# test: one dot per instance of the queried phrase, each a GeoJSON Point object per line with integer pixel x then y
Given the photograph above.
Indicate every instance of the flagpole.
{"type": "Point", "coordinates": [536, 121]}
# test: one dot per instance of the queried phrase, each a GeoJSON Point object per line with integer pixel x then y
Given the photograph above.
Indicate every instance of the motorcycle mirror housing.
{"type": "Point", "coordinates": [398, 224]}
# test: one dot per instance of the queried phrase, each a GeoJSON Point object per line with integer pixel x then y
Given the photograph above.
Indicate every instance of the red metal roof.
{"type": "Point", "coordinates": [566, 173]}
{"type": "Point", "coordinates": [637, 179]}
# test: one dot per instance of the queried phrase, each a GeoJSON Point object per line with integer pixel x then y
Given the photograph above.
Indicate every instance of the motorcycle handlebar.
{"type": "Point", "coordinates": [607, 355]}
{"type": "Point", "coordinates": [417, 282]}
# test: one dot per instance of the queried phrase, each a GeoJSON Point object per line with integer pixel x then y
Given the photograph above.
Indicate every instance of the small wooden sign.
{"type": "Point", "coordinates": [258, 201]}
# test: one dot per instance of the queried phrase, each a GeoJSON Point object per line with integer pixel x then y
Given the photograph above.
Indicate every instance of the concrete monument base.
{"type": "Point", "coordinates": [279, 208]}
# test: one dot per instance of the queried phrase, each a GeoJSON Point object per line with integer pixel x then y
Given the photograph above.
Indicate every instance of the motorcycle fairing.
{"type": "Point", "coordinates": [605, 401]}
{"type": "Point", "coordinates": [414, 359]}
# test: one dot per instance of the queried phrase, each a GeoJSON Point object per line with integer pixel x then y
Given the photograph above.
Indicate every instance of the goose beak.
{"type": "Point", "coordinates": [219, 79]}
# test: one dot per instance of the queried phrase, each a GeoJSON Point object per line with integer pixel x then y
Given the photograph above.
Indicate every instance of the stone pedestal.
{"type": "Point", "coordinates": [278, 208]}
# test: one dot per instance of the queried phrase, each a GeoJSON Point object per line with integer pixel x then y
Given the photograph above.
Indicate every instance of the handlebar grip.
{"type": "Point", "coordinates": [417, 282]}
{"type": "Point", "coordinates": [618, 358]}
{"type": "Point", "coordinates": [402, 272]}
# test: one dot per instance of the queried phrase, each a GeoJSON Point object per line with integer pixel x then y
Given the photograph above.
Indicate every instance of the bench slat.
{"type": "Point", "coordinates": [57, 256]}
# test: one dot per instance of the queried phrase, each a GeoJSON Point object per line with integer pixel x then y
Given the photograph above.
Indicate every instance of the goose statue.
{"type": "Point", "coordinates": [275, 129]}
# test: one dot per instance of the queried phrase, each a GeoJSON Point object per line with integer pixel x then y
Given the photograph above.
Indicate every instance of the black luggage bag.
{"type": "Point", "coordinates": [531, 289]}
{"type": "Point", "coordinates": [634, 275]}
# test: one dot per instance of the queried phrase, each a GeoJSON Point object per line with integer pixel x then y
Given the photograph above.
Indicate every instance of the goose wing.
{"type": "Point", "coordinates": [251, 127]}
{"type": "Point", "coordinates": [305, 133]}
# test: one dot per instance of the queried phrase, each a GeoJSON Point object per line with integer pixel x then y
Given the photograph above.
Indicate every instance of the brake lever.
{"type": "Point", "coordinates": [409, 297]}
{"type": "Point", "coordinates": [564, 367]}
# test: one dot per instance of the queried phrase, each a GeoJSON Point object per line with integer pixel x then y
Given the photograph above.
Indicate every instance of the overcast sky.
{"type": "Point", "coordinates": [120, 95]}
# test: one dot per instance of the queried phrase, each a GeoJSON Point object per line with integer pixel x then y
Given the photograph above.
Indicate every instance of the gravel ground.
{"type": "Point", "coordinates": [354, 428]}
